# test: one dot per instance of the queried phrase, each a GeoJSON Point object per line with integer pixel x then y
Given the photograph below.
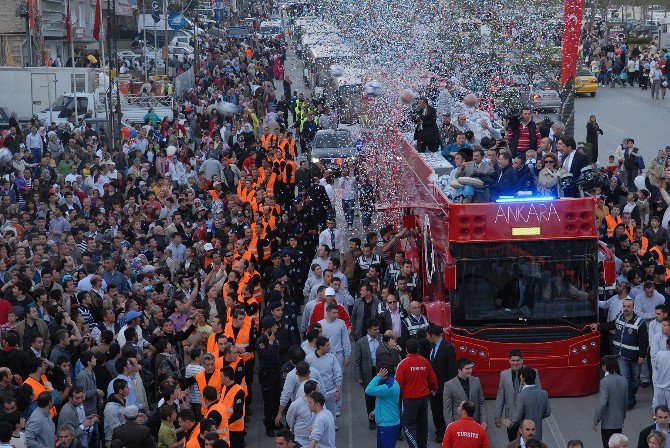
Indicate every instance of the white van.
{"type": "Point", "coordinates": [271, 28]}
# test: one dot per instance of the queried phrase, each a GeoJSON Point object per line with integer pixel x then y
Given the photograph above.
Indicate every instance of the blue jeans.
{"type": "Point", "coordinates": [630, 370]}
{"type": "Point", "coordinates": [348, 209]}
{"type": "Point", "coordinates": [366, 218]}
{"type": "Point", "coordinates": [387, 436]}
{"type": "Point", "coordinates": [36, 154]}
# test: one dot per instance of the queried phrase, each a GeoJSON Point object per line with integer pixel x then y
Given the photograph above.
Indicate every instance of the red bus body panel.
{"type": "Point", "coordinates": [568, 367]}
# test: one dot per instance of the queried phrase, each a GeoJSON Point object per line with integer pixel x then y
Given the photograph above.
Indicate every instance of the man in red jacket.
{"type": "Point", "coordinates": [417, 380]}
{"type": "Point", "coordinates": [465, 432]}
{"type": "Point", "coordinates": [319, 312]}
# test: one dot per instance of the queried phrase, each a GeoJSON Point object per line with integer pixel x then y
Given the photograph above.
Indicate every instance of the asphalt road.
{"type": "Point", "coordinates": [625, 112]}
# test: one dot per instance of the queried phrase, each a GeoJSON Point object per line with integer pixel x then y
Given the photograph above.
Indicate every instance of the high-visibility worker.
{"type": "Point", "coordinates": [658, 251]}
{"type": "Point", "coordinates": [216, 411]}
{"type": "Point", "coordinates": [612, 220]}
{"type": "Point", "coordinates": [208, 377]}
{"type": "Point", "coordinates": [232, 398]}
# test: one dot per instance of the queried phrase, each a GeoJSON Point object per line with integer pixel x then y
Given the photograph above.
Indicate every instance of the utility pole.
{"type": "Point", "coordinates": [116, 68]}
{"type": "Point", "coordinates": [165, 43]}
{"type": "Point", "coordinates": [110, 61]}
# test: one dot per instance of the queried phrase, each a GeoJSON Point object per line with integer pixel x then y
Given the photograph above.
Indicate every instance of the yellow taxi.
{"type": "Point", "coordinates": [585, 82]}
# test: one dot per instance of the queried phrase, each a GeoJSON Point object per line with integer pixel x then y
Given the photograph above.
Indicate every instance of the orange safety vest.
{"type": "Point", "coordinates": [261, 175]}
{"type": "Point", "coordinates": [257, 292]}
{"type": "Point", "coordinates": [192, 441]}
{"type": "Point", "coordinates": [611, 224]}
{"type": "Point", "coordinates": [222, 429]}
{"type": "Point", "coordinates": [629, 232]}
{"type": "Point", "coordinates": [289, 172]}
{"type": "Point", "coordinates": [289, 146]}
{"type": "Point", "coordinates": [644, 245]}
{"type": "Point", "coordinates": [243, 337]}
{"type": "Point", "coordinates": [38, 388]}
{"type": "Point", "coordinates": [659, 255]}
{"type": "Point", "coordinates": [212, 346]}
{"type": "Point", "coordinates": [267, 140]}
{"type": "Point", "coordinates": [214, 380]}
{"type": "Point", "coordinates": [228, 401]}
{"type": "Point", "coordinates": [270, 186]}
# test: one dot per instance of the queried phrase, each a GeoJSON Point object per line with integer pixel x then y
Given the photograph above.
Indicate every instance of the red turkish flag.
{"type": "Point", "coordinates": [97, 23]}
{"type": "Point", "coordinates": [572, 18]}
{"type": "Point", "coordinates": [68, 22]}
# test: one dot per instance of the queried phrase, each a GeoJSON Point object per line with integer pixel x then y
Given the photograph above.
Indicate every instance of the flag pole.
{"type": "Point", "coordinates": [74, 77]}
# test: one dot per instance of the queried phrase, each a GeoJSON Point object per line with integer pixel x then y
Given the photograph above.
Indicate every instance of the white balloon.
{"type": "Point", "coordinates": [226, 108]}
{"type": "Point", "coordinates": [373, 88]}
{"type": "Point", "coordinates": [407, 96]}
{"type": "Point", "coordinates": [336, 70]}
{"type": "Point", "coordinates": [171, 150]}
{"type": "Point", "coordinates": [639, 182]}
{"type": "Point", "coordinates": [5, 155]}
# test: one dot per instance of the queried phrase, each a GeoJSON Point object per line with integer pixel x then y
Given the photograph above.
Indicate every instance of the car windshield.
{"type": "Point", "coordinates": [271, 30]}
{"type": "Point", "coordinates": [584, 72]}
{"type": "Point", "coordinates": [61, 103]}
{"type": "Point", "coordinates": [514, 282]}
{"type": "Point", "coordinates": [332, 140]}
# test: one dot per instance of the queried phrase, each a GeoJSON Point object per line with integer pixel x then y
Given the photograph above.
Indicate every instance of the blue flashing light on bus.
{"type": "Point", "coordinates": [503, 199]}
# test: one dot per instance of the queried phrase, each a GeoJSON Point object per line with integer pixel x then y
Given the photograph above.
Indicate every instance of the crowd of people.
{"type": "Point", "coordinates": [615, 64]}
{"type": "Point", "coordinates": [148, 286]}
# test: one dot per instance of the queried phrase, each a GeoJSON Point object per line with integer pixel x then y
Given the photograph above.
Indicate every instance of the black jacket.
{"type": "Point", "coordinates": [642, 441]}
{"type": "Point", "coordinates": [505, 182]}
{"type": "Point", "coordinates": [579, 161]}
{"type": "Point", "coordinates": [134, 436]}
{"type": "Point", "coordinates": [525, 180]}
{"type": "Point", "coordinates": [444, 364]}
{"type": "Point", "coordinates": [429, 131]}
{"type": "Point", "coordinates": [386, 323]}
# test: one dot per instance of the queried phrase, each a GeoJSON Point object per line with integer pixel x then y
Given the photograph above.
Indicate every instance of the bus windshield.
{"type": "Point", "coordinates": [514, 282]}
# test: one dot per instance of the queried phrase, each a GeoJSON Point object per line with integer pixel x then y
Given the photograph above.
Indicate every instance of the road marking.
{"type": "Point", "coordinates": [612, 127]}
{"type": "Point", "coordinates": [559, 438]}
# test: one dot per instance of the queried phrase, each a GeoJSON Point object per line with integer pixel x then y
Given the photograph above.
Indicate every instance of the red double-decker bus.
{"type": "Point", "coordinates": [516, 273]}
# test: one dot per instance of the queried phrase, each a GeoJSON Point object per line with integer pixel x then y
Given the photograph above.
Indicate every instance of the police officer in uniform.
{"type": "Point", "coordinates": [268, 354]}
{"type": "Point", "coordinates": [287, 334]}
{"type": "Point", "coordinates": [629, 344]}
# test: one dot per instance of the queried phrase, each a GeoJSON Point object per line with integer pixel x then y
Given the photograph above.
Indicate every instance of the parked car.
{"type": "Point", "coordinates": [333, 148]}
{"type": "Point", "coordinates": [181, 52]}
{"type": "Point", "coordinates": [543, 97]}
{"type": "Point", "coordinates": [586, 82]}
{"type": "Point", "coordinates": [126, 33]}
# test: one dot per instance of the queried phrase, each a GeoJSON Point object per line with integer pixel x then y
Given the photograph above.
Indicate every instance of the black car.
{"type": "Point", "coordinates": [333, 148]}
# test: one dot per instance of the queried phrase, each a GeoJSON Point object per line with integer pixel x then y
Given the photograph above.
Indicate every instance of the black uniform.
{"type": "Point", "coordinates": [269, 365]}
{"type": "Point", "coordinates": [287, 335]}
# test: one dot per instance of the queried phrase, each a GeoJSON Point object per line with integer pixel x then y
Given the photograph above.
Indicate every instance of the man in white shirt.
{"type": "Point", "coordinates": [613, 304]}
{"type": "Point", "coordinates": [336, 331]}
{"type": "Point", "coordinates": [661, 367]}
{"type": "Point", "coordinates": [323, 426]}
{"type": "Point", "coordinates": [657, 343]}
{"type": "Point", "coordinates": [332, 237]}
{"type": "Point", "coordinates": [349, 191]}
{"type": "Point", "coordinates": [299, 417]}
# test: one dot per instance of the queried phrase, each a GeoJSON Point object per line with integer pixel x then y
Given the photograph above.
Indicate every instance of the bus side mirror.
{"type": "Point", "coordinates": [450, 276]}
{"type": "Point", "coordinates": [609, 272]}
